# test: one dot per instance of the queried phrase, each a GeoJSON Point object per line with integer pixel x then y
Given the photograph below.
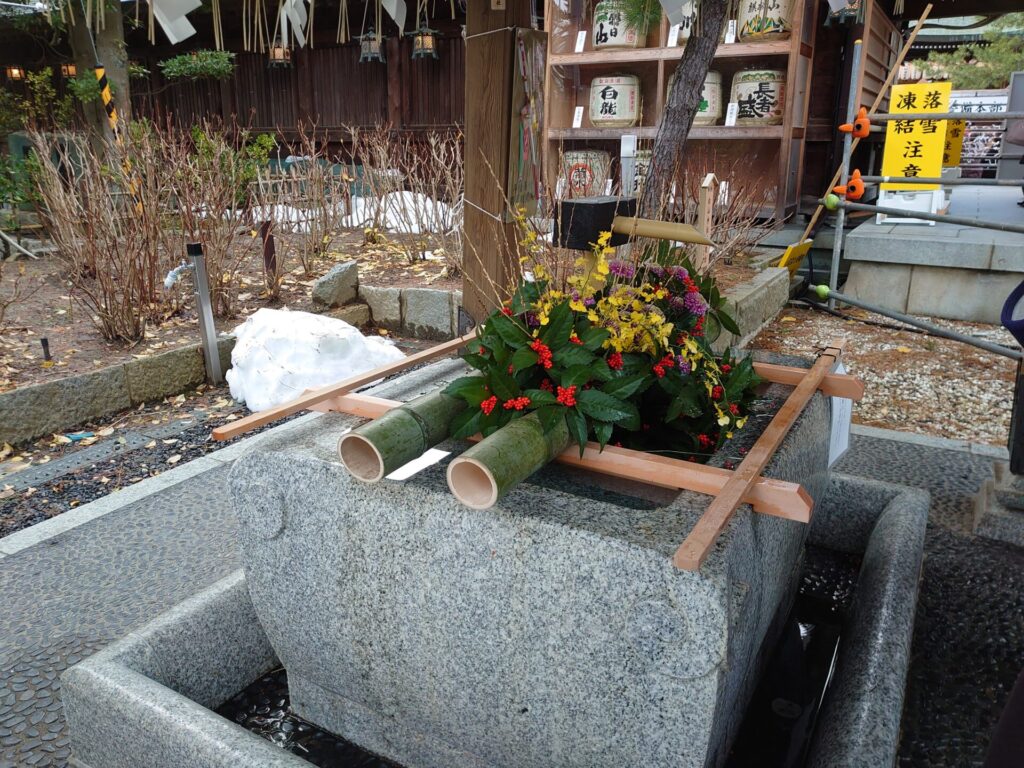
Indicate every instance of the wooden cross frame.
{"type": "Point", "coordinates": [730, 487]}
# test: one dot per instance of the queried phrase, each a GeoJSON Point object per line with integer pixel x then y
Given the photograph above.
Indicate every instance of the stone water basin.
{"type": "Point", "coordinates": [551, 630]}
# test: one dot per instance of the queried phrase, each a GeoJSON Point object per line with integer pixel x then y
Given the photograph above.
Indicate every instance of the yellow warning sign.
{"type": "Point", "coordinates": [954, 143]}
{"type": "Point", "coordinates": [915, 147]}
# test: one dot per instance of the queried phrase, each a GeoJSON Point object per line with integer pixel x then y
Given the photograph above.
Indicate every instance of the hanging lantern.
{"type": "Point", "coordinates": [15, 73]}
{"type": "Point", "coordinates": [371, 47]}
{"type": "Point", "coordinates": [279, 56]}
{"type": "Point", "coordinates": [69, 70]}
{"type": "Point", "coordinates": [424, 43]}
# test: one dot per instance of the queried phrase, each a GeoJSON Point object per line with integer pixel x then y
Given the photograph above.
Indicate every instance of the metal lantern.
{"type": "Point", "coordinates": [69, 70]}
{"type": "Point", "coordinates": [424, 43]}
{"type": "Point", "coordinates": [371, 47]}
{"type": "Point", "coordinates": [15, 72]}
{"type": "Point", "coordinates": [279, 56]}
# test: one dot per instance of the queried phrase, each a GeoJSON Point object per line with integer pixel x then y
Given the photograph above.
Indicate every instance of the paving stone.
{"type": "Point", "coordinates": [339, 286]}
{"type": "Point", "coordinates": [427, 313]}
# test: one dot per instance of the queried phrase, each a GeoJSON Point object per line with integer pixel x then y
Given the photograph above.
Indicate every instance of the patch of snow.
{"type": "Point", "coordinates": [408, 213]}
{"type": "Point", "coordinates": [280, 354]}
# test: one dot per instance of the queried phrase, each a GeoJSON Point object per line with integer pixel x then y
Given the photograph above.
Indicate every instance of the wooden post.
{"type": "Point", "coordinates": [488, 240]}
{"type": "Point", "coordinates": [708, 196]}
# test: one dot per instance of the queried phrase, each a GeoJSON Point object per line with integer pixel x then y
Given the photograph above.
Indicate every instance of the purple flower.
{"type": "Point", "coordinates": [531, 320]}
{"type": "Point", "coordinates": [695, 304]}
{"type": "Point", "coordinates": [589, 301]}
{"type": "Point", "coordinates": [655, 269]}
{"type": "Point", "coordinates": [621, 269]}
{"type": "Point", "coordinates": [684, 365]}
{"type": "Point", "coordinates": [679, 273]}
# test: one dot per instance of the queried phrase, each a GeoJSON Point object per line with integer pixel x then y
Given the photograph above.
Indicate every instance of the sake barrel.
{"type": "Point", "coordinates": [760, 95]}
{"type": "Point", "coordinates": [615, 101]}
{"type": "Point", "coordinates": [610, 30]}
{"type": "Point", "coordinates": [585, 172]}
{"type": "Point", "coordinates": [765, 20]}
{"type": "Point", "coordinates": [689, 11]}
{"type": "Point", "coordinates": [709, 111]}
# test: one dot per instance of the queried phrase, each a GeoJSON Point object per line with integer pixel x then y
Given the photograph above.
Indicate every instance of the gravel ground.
{"type": "Point", "coordinates": [913, 382]}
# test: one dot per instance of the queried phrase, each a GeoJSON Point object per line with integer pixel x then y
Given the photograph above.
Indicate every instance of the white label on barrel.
{"type": "Point", "coordinates": [608, 186]}
{"type": "Point", "coordinates": [577, 117]}
{"type": "Point", "coordinates": [673, 36]}
{"type": "Point", "coordinates": [842, 415]}
{"type": "Point", "coordinates": [581, 40]}
{"type": "Point", "coordinates": [731, 113]}
{"type": "Point", "coordinates": [730, 31]}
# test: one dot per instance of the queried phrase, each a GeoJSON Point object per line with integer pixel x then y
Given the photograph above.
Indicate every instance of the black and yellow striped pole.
{"type": "Point", "coordinates": [112, 119]}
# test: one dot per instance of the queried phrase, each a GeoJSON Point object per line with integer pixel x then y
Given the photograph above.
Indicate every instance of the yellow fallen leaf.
{"type": "Point", "coordinates": [88, 440]}
{"type": "Point", "coordinates": [789, 319]}
{"type": "Point", "coordinates": [105, 432]}
{"type": "Point", "coordinates": [47, 364]}
{"type": "Point", "coordinates": [6, 451]}
{"type": "Point", "coordinates": [171, 441]}
{"type": "Point", "coordinates": [150, 444]}
{"type": "Point", "coordinates": [174, 459]}
{"type": "Point", "coordinates": [904, 349]}
{"type": "Point", "coordinates": [60, 439]}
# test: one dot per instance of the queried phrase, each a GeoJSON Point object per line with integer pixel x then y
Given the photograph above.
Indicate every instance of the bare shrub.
{"type": "Point", "coordinates": [13, 289]}
{"type": "Point", "coordinates": [105, 216]}
{"type": "Point", "coordinates": [414, 188]}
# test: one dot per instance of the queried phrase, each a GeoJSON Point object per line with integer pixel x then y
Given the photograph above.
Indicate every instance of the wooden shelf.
{"type": "Point", "coordinates": [633, 55]}
{"type": "Point", "coordinates": [712, 132]}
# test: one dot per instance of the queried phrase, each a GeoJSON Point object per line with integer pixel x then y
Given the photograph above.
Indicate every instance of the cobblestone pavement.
{"type": "Point", "coordinates": [969, 634]}
{"type": "Point", "coordinates": [71, 595]}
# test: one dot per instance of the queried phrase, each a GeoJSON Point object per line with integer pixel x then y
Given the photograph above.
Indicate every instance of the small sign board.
{"type": "Point", "coordinates": [955, 130]}
{"type": "Point", "coordinates": [581, 40]}
{"type": "Point", "coordinates": [673, 36]}
{"type": "Point", "coordinates": [577, 118]}
{"type": "Point", "coordinates": [842, 416]}
{"type": "Point", "coordinates": [914, 147]}
{"type": "Point", "coordinates": [732, 112]}
{"type": "Point", "coordinates": [730, 31]}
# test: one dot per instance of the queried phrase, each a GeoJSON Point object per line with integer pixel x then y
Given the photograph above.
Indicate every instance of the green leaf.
{"type": "Point", "coordinates": [503, 385]}
{"type": "Point", "coordinates": [510, 332]}
{"type": "Point", "coordinates": [577, 425]}
{"type": "Point", "coordinates": [472, 389]}
{"type": "Point", "coordinates": [466, 423]}
{"type": "Point", "coordinates": [523, 358]}
{"type": "Point", "coordinates": [601, 406]}
{"type": "Point", "coordinates": [594, 337]}
{"type": "Point", "coordinates": [556, 333]}
{"type": "Point", "coordinates": [727, 322]}
{"type": "Point", "coordinates": [603, 432]}
{"type": "Point", "coordinates": [600, 371]}
{"type": "Point", "coordinates": [627, 386]}
{"type": "Point", "coordinates": [549, 416]}
{"type": "Point", "coordinates": [573, 354]}
{"type": "Point", "coordinates": [476, 361]}
{"type": "Point", "coordinates": [577, 376]}
{"type": "Point", "coordinates": [540, 397]}
{"type": "Point", "coordinates": [684, 403]}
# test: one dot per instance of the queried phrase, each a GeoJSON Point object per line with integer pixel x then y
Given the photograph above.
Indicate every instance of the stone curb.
{"type": "Point", "coordinates": [40, 532]}
{"type": "Point", "coordinates": [55, 406]}
{"type": "Point", "coordinates": [753, 304]}
{"type": "Point", "coordinates": [945, 443]}
{"type": "Point", "coordinates": [423, 313]}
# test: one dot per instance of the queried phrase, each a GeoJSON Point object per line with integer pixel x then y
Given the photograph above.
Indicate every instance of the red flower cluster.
{"type": "Point", "coordinates": [547, 386]}
{"type": "Point", "coordinates": [726, 368]}
{"type": "Point", "coordinates": [543, 353]}
{"type": "Point", "coordinates": [488, 405]}
{"type": "Point", "coordinates": [575, 339]}
{"type": "Point", "coordinates": [506, 311]}
{"type": "Point", "coordinates": [705, 441]}
{"type": "Point", "coordinates": [615, 361]}
{"type": "Point", "coordinates": [691, 287]}
{"type": "Point", "coordinates": [517, 403]}
{"type": "Point", "coordinates": [567, 397]}
{"type": "Point", "coordinates": [717, 393]}
{"type": "Point", "coordinates": [734, 409]}
{"type": "Point", "coordinates": [698, 329]}
{"type": "Point", "coordinates": [665, 363]}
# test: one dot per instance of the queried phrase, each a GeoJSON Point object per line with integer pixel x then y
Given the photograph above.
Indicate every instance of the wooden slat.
{"type": "Point", "coordinates": [832, 384]}
{"type": "Point", "coordinates": [694, 550]}
{"type": "Point", "coordinates": [771, 497]}
{"type": "Point", "coordinates": [310, 399]}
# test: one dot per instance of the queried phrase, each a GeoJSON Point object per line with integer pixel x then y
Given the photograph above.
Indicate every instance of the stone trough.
{"type": "Point", "coordinates": [550, 630]}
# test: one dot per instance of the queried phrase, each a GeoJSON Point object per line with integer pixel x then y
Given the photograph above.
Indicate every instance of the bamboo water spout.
{"type": "Point", "coordinates": [488, 470]}
{"type": "Point", "coordinates": [381, 446]}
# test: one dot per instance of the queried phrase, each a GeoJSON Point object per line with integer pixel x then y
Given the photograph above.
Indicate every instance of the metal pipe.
{"type": "Point", "coordinates": [824, 292]}
{"type": "Point", "coordinates": [844, 170]}
{"type": "Point", "coordinates": [942, 181]}
{"type": "Point", "coordinates": [904, 213]}
{"type": "Point", "coordinates": [974, 117]}
{"type": "Point", "coordinates": [206, 327]}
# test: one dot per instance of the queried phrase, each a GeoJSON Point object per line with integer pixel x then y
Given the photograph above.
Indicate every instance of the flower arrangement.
{"type": "Point", "coordinates": [618, 350]}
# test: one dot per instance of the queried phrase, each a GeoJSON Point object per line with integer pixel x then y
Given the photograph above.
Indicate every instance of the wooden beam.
{"type": "Point", "coordinates": [771, 497]}
{"type": "Point", "coordinates": [694, 550]}
{"type": "Point", "coordinates": [832, 384]}
{"type": "Point", "coordinates": [488, 263]}
{"type": "Point", "coordinates": [312, 398]}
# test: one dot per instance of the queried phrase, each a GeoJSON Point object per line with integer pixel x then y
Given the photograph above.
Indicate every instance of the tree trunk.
{"type": "Point", "coordinates": [111, 52]}
{"type": "Point", "coordinates": [681, 106]}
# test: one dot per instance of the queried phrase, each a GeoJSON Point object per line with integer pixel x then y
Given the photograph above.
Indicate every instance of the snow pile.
{"type": "Point", "coordinates": [408, 213]}
{"type": "Point", "coordinates": [280, 354]}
